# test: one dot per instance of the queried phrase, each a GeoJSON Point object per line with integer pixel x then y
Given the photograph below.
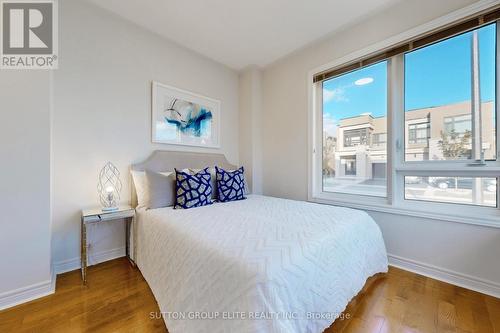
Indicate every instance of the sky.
{"type": "Point", "coordinates": [436, 75]}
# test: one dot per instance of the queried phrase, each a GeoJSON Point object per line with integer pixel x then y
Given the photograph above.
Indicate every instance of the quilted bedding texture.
{"type": "Point", "coordinates": [258, 265]}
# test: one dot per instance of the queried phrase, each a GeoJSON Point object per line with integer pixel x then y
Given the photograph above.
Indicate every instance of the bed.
{"type": "Point", "coordinates": [262, 264]}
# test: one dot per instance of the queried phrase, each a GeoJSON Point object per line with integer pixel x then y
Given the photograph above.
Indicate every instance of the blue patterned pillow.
{"type": "Point", "coordinates": [192, 190]}
{"type": "Point", "coordinates": [230, 184]}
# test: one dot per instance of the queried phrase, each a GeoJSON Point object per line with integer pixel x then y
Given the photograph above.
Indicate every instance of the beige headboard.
{"type": "Point", "coordinates": [162, 160]}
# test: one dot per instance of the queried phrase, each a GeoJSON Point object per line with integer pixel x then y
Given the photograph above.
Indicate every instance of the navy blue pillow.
{"type": "Point", "coordinates": [192, 190]}
{"type": "Point", "coordinates": [230, 184]}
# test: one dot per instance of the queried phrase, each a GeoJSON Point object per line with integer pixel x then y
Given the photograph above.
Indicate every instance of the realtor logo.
{"type": "Point", "coordinates": [29, 34]}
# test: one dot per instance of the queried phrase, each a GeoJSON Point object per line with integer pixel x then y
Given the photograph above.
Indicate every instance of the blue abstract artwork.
{"type": "Point", "coordinates": [188, 117]}
{"type": "Point", "coordinates": [182, 117]}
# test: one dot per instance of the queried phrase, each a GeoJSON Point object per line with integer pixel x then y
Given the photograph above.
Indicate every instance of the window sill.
{"type": "Point", "coordinates": [486, 220]}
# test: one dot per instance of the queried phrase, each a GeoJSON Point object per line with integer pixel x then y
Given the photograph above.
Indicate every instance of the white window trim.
{"type": "Point", "coordinates": [397, 168]}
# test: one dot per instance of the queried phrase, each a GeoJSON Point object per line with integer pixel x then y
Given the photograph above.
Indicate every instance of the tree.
{"type": "Point", "coordinates": [453, 145]}
{"type": "Point", "coordinates": [329, 156]}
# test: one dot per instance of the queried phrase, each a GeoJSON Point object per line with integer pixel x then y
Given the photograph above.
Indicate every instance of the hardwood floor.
{"type": "Point", "coordinates": [117, 299]}
{"type": "Point", "coordinates": [402, 301]}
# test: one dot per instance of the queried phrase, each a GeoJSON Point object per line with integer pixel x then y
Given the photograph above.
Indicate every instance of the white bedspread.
{"type": "Point", "coordinates": [257, 265]}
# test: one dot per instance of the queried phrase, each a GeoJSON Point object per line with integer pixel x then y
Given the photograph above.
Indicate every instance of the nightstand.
{"type": "Point", "coordinates": [98, 216]}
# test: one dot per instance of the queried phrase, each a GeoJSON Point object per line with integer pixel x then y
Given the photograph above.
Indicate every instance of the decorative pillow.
{"type": "Point", "coordinates": [230, 184]}
{"type": "Point", "coordinates": [213, 180]}
{"type": "Point", "coordinates": [193, 190]}
{"type": "Point", "coordinates": [160, 188]}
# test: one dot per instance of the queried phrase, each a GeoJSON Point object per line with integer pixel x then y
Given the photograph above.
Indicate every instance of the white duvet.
{"type": "Point", "coordinates": [257, 265]}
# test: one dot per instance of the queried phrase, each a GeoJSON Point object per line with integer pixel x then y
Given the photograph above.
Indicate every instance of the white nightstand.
{"type": "Point", "coordinates": [97, 216]}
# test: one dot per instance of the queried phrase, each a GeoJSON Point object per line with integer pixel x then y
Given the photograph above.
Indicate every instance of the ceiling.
{"type": "Point", "coordinates": [239, 33]}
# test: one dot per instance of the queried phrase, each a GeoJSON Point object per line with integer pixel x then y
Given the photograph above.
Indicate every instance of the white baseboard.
{"type": "Point", "coordinates": [95, 258]}
{"type": "Point", "coordinates": [458, 279]}
{"type": "Point", "coordinates": [28, 293]}
{"type": "Point", "coordinates": [41, 289]}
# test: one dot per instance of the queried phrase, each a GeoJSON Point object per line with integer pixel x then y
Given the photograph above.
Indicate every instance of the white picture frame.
{"type": "Point", "coordinates": [181, 117]}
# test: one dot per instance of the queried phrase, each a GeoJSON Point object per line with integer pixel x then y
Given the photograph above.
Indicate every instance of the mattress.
{"type": "Point", "coordinates": [257, 265]}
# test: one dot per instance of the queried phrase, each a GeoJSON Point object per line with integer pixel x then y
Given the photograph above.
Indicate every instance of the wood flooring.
{"type": "Point", "coordinates": [118, 299]}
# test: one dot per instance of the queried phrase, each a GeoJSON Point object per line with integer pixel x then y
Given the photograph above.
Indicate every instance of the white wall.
{"type": "Point", "coordinates": [102, 113]}
{"type": "Point", "coordinates": [24, 184]}
{"type": "Point", "coordinates": [250, 108]}
{"type": "Point", "coordinates": [465, 249]}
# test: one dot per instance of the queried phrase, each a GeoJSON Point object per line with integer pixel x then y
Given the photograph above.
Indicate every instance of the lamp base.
{"type": "Point", "coordinates": [109, 209]}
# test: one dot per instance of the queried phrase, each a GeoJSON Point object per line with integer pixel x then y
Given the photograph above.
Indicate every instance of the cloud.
{"type": "Point", "coordinates": [363, 81]}
{"type": "Point", "coordinates": [329, 125]}
{"type": "Point", "coordinates": [335, 95]}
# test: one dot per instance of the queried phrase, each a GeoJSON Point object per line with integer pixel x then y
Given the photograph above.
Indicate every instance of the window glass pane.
{"type": "Point", "coordinates": [438, 94]}
{"type": "Point", "coordinates": [461, 190]}
{"type": "Point", "coordinates": [418, 133]}
{"type": "Point", "coordinates": [379, 138]}
{"type": "Point", "coordinates": [355, 131]}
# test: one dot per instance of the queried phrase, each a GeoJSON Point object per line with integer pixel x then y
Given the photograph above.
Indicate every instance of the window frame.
{"type": "Point", "coordinates": [415, 141]}
{"type": "Point", "coordinates": [397, 167]}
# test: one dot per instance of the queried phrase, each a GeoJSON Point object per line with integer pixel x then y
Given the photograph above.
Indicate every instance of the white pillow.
{"type": "Point", "coordinates": [160, 189]}
{"type": "Point", "coordinates": [141, 187]}
{"type": "Point", "coordinates": [139, 178]}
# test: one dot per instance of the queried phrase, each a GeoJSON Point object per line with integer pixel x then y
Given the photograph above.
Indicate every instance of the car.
{"type": "Point", "coordinates": [444, 183]}
{"type": "Point", "coordinates": [413, 180]}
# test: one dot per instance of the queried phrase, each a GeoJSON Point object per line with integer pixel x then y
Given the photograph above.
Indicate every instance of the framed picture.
{"type": "Point", "coordinates": [181, 117]}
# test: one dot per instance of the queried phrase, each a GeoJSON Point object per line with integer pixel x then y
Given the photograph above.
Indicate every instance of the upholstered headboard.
{"type": "Point", "coordinates": [162, 160]}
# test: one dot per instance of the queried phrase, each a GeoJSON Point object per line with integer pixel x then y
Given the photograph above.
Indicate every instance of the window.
{"type": "Point", "coordinates": [432, 108]}
{"type": "Point", "coordinates": [419, 133]}
{"type": "Point", "coordinates": [355, 137]}
{"type": "Point", "coordinates": [461, 125]}
{"type": "Point", "coordinates": [349, 165]}
{"type": "Point", "coordinates": [439, 86]}
{"type": "Point", "coordinates": [349, 119]}
{"type": "Point", "coordinates": [379, 139]}
{"type": "Point", "coordinates": [462, 190]}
